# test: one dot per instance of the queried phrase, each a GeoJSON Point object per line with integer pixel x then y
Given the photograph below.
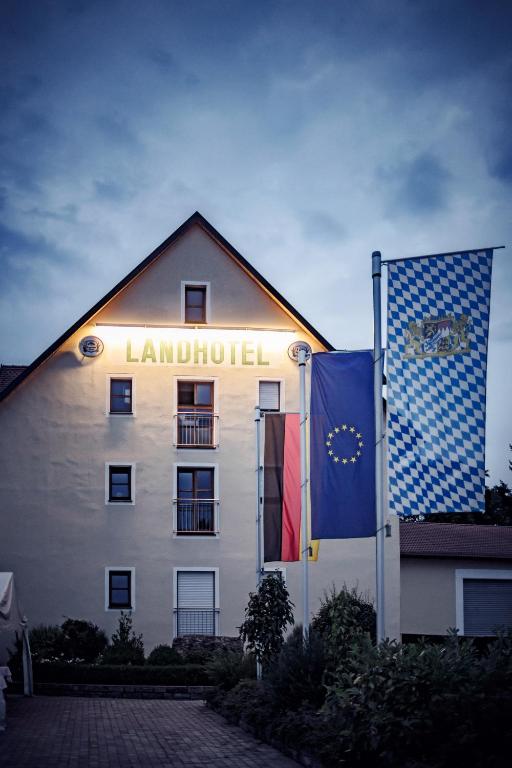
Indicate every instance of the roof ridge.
{"type": "Point", "coordinates": [195, 218]}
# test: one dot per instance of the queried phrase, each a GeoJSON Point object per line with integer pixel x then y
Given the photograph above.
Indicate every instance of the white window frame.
{"type": "Point", "coordinates": [210, 569]}
{"type": "Point", "coordinates": [473, 573]}
{"type": "Point", "coordinates": [216, 414]}
{"type": "Point", "coordinates": [129, 568]}
{"type": "Point", "coordinates": [278, 569]}
{"type": "Point", "coordinates": [282, 393]}
{"type": "Point", "coordinates": [111, 376]}
{"type": "Point", "coordinates": [119, 463]}
{"type": "Point", "coordinates": [216, 491]}
{"type": "Point", "coordinates": [208, 309]}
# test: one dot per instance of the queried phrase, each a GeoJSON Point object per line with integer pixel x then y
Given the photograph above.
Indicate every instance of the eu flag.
{"type": "Point", "coordinates": [342, 445]}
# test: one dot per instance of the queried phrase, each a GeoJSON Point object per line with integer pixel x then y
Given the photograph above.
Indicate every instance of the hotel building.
{"type": "Point", "coordinates": [127, 452]}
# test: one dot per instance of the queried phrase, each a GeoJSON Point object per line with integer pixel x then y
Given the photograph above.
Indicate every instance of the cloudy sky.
{"type": "Point", "coordinates": [308, 133]}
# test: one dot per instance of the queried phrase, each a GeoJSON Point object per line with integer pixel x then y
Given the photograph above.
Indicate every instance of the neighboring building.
{"type": "Point", "coordinates": [128, 459]}
{"type": "Point", "coordinates": [8, 373]}
{"type": "Point", "coordinates": [455, 576]}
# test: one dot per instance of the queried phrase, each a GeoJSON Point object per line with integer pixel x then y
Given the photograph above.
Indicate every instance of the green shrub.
{"type": "Point", "coordinates": [76, 640]}
{"type": "Point", "coordinates": [296, 675]}
{"type": "Point", "coordinates": [251, 702]}
{"type": "Point", "coordinates": [96, 674]}
{"type": "Point", "coordinates": [267, 615]}
{"type": "Point", "coordinates": [126, 646]}
{"type": "Point", "coordinates": [46, 642]}
{"type": "Point", "coordinates": [343, 618]}
{"type": "Point", "coordinates": [402, 706]}
{"type": "Point", "coordinates": [428, 704]}
{"type": "Point", "coordinates": [82, 640]}
{"type": "Point", "coordinates": [163, 656]}
{"type": "Point", "coordinates": [227, 668]}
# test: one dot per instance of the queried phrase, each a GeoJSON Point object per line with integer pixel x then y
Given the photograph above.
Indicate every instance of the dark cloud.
{"type": "Point", "coordinates": [117, 130]}
{"type": "Point", "coordinates": [418, 186]}
{"type": "Point", "coordinates": [67, 213]}
{"type": "Point", "coordinates": [321, 226]}
{"type": "Point", "coordinates": [113, 191]}
{"type": "Point", "coordinates": [168, 66]}
{"type": "Point", "coordinates": [25, 259]}
{"type": "Point", "coordinates": [17, 94]}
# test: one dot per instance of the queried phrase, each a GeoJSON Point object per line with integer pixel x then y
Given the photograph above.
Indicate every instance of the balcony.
{"type": "Point", "coordinates": [196, 429]}
{"type": "Point", "coordinates": [196, 517]}
{"type": "Point", "coordinates": [194, 621]}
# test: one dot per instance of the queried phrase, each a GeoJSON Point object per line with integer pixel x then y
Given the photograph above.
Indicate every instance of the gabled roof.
{"type": "Point", "coordinates": [456, 540]}
{"type": "Point", "coordinates": [196, 218]}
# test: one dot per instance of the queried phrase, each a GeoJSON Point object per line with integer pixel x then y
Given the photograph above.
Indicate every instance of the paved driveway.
{"type": "Point", "coordinates": [54, 732]}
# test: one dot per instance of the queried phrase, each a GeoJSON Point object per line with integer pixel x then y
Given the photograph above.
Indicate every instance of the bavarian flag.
{"type": "Point", "coordinates": [342, 446]}
{"type": "Point", "coordinates": [281, 479]}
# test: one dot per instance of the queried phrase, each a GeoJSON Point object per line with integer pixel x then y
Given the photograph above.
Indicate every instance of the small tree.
{"type": "Point", "coordinates": [267, 615]}
{"type": "Point", "coordinates": [126, 647]}
{"type": "Point", "coordinates": [343, 617]}
{"type": "Point", "coordinates": [82, 640]}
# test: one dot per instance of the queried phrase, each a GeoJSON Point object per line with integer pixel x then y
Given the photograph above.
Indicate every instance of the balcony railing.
{"type": "Point", "coordinates": [196, 517]}
{"type": "Point", "coordinates": [196, 429]}
{"type": "Point", "coordinates": [194, 621]}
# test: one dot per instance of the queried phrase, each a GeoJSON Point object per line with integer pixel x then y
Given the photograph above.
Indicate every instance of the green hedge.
{"type": "Point", "coordinates": [393, 706]}
{"type": "Point", "coordinates": [182, 674]}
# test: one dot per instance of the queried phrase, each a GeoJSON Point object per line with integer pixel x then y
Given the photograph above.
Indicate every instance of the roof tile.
{"type": "Point", "coordinates": [456, 540]}
{"type": "Point", "coordinates": [8, 373]}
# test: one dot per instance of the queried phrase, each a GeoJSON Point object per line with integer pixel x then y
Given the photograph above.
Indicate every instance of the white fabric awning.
{"type": "Point", "coordinates": [10, 614]}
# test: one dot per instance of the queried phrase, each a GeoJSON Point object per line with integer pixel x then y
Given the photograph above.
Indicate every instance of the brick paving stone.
{"type": "Point", "coordinates": [67, 732]}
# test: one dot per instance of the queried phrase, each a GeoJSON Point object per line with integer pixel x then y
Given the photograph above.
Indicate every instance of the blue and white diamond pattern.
{"type": "Point", "coordinates": [436, 405]}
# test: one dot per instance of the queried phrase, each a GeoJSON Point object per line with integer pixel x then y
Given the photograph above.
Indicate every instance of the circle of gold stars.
{"type": "Point", "coordinates": [351, 430]}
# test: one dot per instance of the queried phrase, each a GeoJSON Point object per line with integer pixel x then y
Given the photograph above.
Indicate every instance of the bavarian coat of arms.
{"type": "Point", "coordinates": [437, 336]}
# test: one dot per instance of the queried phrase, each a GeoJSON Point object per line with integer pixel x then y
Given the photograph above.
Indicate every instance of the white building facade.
{"type": "Point", "coordinates": [128, 452]}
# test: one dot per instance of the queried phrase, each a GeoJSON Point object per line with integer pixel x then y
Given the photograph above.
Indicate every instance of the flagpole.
{"type": "Point", "coordinates": [259, 567]}
{"type": "Point", "coordinates": [303, 489]}
{"type": "Point", "coordinates": [300, 352]}
{"type": "Point", "coordinates": [379, 435]}
{"type": "Point", "coordinates": [257, 419]}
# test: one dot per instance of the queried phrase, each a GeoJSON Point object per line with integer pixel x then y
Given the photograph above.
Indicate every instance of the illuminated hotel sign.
{"type": "Point", "coordinates": [190, 347]}
{"type": "Point", "coordinates": [196, 352]}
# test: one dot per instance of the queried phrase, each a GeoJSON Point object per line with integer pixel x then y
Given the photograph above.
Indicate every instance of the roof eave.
{"type": "Point", "coordinates": [196, 218]}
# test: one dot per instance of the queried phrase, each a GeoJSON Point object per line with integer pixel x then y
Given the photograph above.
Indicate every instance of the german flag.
{"type": "Point", "coordinates": [281, 477]}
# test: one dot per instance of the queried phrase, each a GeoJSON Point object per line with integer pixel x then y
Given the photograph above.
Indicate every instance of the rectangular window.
{"type": "Point", "coordinates": [483, 601]}
{"type": "Point", "coordinates": [120, 483]}
{"type": "Point", "coordinates": [195, 304]}
{"type": "Point", "coordinates": [195, 505]}
{"type": "Point", "coordinates": [487, 606]}
{"type": "Point", "coordinates": [196, 419]}
{"type": "Point", "coordinates": [120, 589]}
{"type": "Point", "coordinates": [270, 395]}
{"type": "Point", "coordinates": [197, 395]}
{"type": "Point", "coordinates": [195, 603]}
{"type": "Point", "coordinates": [121, 396]}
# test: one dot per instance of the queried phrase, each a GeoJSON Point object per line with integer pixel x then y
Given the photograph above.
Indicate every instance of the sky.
{"type": "Point", "coordinates": [308, 133]}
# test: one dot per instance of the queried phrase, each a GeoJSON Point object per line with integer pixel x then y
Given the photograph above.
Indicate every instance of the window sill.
{"type": "Point", "coordinates": [122, 503]}
{"type": "Point", "coordinates": [196, 447]}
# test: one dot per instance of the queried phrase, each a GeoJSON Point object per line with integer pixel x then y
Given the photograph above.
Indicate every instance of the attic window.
{"type": "Point", "coordinates": [195, 304]}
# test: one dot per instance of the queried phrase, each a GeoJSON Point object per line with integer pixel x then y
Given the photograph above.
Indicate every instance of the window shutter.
{"type": "Point", "coordinates": [270, 395]}
{"type": "Point", "coordinates": [196, 603]}
{"type": "Point", "coordinates": [487, 605]}
{"type": "Point", "coordinates": [196, 589]}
